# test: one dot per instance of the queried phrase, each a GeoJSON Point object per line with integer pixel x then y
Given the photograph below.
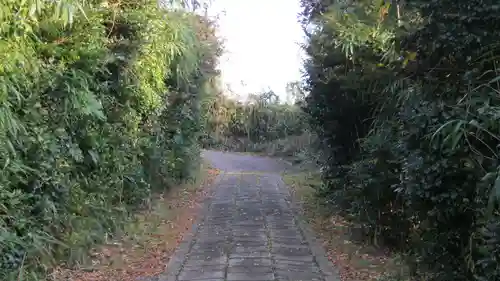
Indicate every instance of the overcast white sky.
{"type": "Point", "coordinates": [261, 45]}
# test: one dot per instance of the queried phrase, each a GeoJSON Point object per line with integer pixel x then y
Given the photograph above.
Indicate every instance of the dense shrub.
{"type": "Point", "coordinates": [261, 124]}
{"type": "Point", "coordinates": [90, 120]}
{"type": "Point", "coordinates": [405, 101]}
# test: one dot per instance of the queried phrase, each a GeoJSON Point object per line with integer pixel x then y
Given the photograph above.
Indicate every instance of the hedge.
{"type": "Point", "coordinates": [99, 106]}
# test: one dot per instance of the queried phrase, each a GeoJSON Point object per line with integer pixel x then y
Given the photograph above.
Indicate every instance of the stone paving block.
{"type": "Point", "coordinates": [253, 276]}
{"type": "Point", "coordinates": [249, 244]}
{"type": "Point", "coordinates": [213, 239]}
{"type": "Point", "coordinates": [249, 233]}
{"type": "Point", "coordinates": [220, 215]}
{"type": "Point", "coordinates": [291, 236]}
{"type": "Point", "coordinates": [222, 220]}
{"type": "Point", "coordinates": [274, 226]}
{"type": "Point", "coordinates": [210, 244]}
{"type": "Point", "coordinates": [288, 241]}
{"type": "Point", "coordinates": [215, 228]}
{"type": "Point", "coordinates": [210, 267]}
{"type": "Point", "coordinates": [307, 267]}
{"type": "Point", "coordinates": [297, 279]}
{"type": "Point", "coordinates": [250, 255]}
{"type": "Point", "coordinates": [291, 251]}
{"type": "Point", "coordinates": [244, 200]}
{"type": "Point", "coordinates": [249, 208]}
{"type": "Point", "coordinates": [280, 216]}
{"type": "Point", "coordinates": [213, 234]}
{"type": "Point", "coordinates": [222, 203]}
{"type": "Point", "coordinates": [243, 239]}
{"type": "Point", "coordinates": [207, 254]}
{"type": "Point", "coordinates": [253, 226]}
{"type": "Point", "coordinates": [212, 252]}
{"type": "Point", "coordinates": [200, 274]}
{"type": "Point", "coordinates": [258, 221]}
{"type": "Point", "coordinates": [246, 269]}
{"type": "Point", "coordinates": [220, 208]}
{"type": "Point", "coordinates": [287, 257]}
{"type": "Point", "coordinates": [285, 232]}
{"type": "Point", "coordinates": [245, 217]}
{"type": "Point", "coordinates": [292, 263]}
{"type": "Point", "coordinates": [202, 259]}
{"type": "Point", "coordinates": [249, 249]}
{"type": "Point", "coordinates": [297, 274]}
{"type": "Point", "coordinates": [280, 219]}
{"type": "Point", "coordinates": [250, 262]}
{"type": "Point", "coordinates": [218, 279]}
{"type": "Point", "coordinates": [260, 231]}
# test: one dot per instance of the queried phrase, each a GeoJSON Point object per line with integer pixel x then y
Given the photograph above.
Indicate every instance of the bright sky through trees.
{"type": "Point", "coordinates": [262, 44]}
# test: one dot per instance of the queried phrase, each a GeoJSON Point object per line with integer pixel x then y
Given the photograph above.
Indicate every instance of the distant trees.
{"type": "Point", "coordinates": [262, 118]}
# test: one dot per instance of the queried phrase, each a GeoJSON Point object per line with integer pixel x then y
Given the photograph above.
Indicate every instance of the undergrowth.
{"type": "Point", "coordinates": [149, 239]}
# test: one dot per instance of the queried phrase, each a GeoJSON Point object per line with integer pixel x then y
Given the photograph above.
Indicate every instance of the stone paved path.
{"type": "Point", "coordinates": [248, 231]}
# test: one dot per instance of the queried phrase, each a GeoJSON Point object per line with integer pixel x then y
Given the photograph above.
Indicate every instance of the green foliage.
{"type": "Point", "coordinates": [89, 121]}
{"type": "Point", "coordinates": [261, 124]}
{"type": "Point", "coordinates": [405, 101]}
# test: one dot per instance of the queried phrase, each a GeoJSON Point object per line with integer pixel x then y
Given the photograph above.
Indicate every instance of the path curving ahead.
{"type": "Point", "coordinates": [249, 231]}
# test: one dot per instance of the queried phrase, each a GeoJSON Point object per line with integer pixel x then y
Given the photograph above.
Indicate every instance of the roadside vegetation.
{"type": "Point", "coordinates": [403, 96]}
{"type": "Point", "coordinates": [355, 257]}
{"type": "Point", "coordinates": [147, 241]}
{"type": "Point", "coordinates": [99, 112]}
